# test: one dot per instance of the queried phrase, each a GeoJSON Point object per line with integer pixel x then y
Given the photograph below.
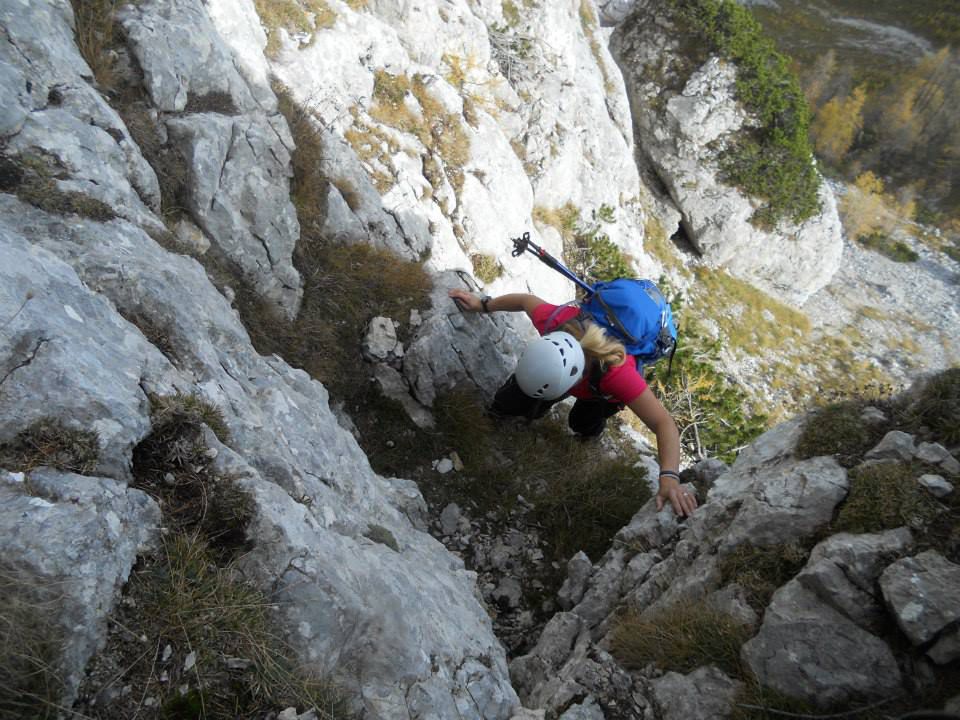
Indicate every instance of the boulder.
{"type": "Point", "coordinates": [922, 594]}
{"type": "Point", "coordinates": [842, 571]}
{"type": "Point", "coordinates": [808, 650]}
{"type": "Point", "coordinates": [787, 502]}
{"type": "Point", "coordinates": [705, 693]}
{"type": "Point", "coordinates": [895, 445]}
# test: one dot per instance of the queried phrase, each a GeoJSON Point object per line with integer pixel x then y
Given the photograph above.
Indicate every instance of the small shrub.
{"type": "Point", "coordinates": [762, 570]}
{"type": "Point", "coordinates": [31, 645]}
{"type": "Point", "coordinates": [839, 429]}
{"type": "Point", "coordinates": [680, 638]}
{"type": "Point", "coordinates": [510, 13]}
{"type": "Point", "coordinates": [49, 442]}
{"type": "Point", "coordinates": [606, 260]}
{"type": "Point", "coordinates": [896, 250]}
{"type": "Point", "coordinates": [714, 415]}
{"type": "Point", "coordinates": [485, 267]}
{"type": "Point", "coordinates": [884, 496]}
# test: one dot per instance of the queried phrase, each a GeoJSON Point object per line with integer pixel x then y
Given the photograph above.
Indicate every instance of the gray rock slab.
{"type": "Point", "coordinates": [79, 536]}
{"type": "Point", "coordinates": [843, 571]}
{"type": "Point", "coordinates": [936, 484]}
{"type": "Point", "coordinates": [922, 593]}
{"type": "Point", "coordinates": [808, 650]}
{"type": "Point", "coordinates": [705, 693]}
{"type": "Point", "coordinates": [895, 445]}
{"type": "Point", "coordinates": [684, 121]}
{"type": "Point", "coordinates": [586, 710]}
{"type": "Point", "coordinates": [354, 607]}
{"type": "Point", "coordinates": [788, 502]}
{"type": "Point", "coordinates": [240, 196]}
{"type": "Point", "coordinates": [937, 454]}
{"type": "Point", "coordinates": [66, 353]}
{"type": "Point", "coordinates": [579, 569]}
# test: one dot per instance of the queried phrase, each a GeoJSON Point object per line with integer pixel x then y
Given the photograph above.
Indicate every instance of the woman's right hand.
{"type": "Point", "coordinates": [465, 300]}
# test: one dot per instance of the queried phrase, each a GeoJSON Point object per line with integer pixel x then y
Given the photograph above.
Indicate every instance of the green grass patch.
{"type": "Point", "coordinates": [749, 319]}
{"type": "Point", "coordinates": [581, 495]}
{"type": "Point", "coordinates": [839, 429]}
{"type": "Point", "coordinates": [762, 570]}
{"type": "Point", "coordinates": [884, 496]}
{"type": "Point", "coordinates": [587, 250]}
{"type": "Point", "coordinates": [680, 639]}
{"type": "Point", "coordinates": [937, 408]}
{"type": "Point", "coordinates": [50, 442]}
{"type": "Point", "coordinates": [896, 250]}
{"type": "Point", "coordinates": [774, 162]}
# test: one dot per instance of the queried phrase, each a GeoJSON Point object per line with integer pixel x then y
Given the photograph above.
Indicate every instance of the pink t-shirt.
{"type": "Point", "coordinates": [623, 383]}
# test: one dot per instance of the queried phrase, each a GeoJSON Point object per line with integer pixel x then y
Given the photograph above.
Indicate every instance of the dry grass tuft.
{"type": "Point", "coordinates": [33, 179]}
{"type": "Point", "coordinates": [295, 16]}
{"type": "Point", "coordinates": [94, 31]}
{"type": "Point", "coordinates": [239, 664]}
{"type": "Point", "coordinates": [485, 267]}
{"type": "Point", "coordinates": [31, 644]}
{"type": "Point", "coordinates": [309, 186]}
{"type": "Point", "coordinates": [762, 570]}
{"type": "Point", "coordinates": [49, 442]}
{"type": "Point", "coordinates": [680, 638]}
{"type": "Point", "coordinates": [938, 407]}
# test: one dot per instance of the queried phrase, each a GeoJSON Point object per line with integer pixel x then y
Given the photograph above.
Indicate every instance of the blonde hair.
{"type": "Point", "coordinates": [596, 344]}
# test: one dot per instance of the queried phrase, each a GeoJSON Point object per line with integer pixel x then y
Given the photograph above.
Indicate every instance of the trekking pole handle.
{"type": "Point", "coordinates": [523, 244]}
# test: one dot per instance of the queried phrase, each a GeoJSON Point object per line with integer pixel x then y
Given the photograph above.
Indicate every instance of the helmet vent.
{"type": "Point", "coordinates": [574, 370]}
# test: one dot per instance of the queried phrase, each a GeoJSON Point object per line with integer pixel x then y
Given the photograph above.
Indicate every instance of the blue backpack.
{"type": "Point", "coordinates": [637, 314]}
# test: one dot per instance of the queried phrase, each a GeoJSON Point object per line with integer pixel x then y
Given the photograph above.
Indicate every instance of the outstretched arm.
{"type": "Point", "coordinates": [655, 416]}
{"type": "Point", "coordinates": [514, 302]}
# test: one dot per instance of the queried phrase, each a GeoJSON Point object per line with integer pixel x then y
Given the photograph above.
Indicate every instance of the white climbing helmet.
{"type": "Point", "coordinates": [550, 366]}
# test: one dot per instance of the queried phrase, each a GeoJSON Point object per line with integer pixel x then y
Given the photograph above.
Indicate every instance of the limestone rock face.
{"type": "Point", "coordinates": [684, 118]}
{"type": "Point", "coordinates": [52, 113]}
{"type": "Point", "coordinates": [382, 611]}
{"type": "Point", "coordinates": [69, 543]}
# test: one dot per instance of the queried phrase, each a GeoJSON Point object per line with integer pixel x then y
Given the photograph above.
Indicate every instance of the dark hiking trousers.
{"type": "Point", "coordinates": [587, 417]}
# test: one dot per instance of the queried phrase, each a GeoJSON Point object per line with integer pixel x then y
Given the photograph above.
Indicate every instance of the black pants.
{"type": "Point", "coordinates": [587, 417]}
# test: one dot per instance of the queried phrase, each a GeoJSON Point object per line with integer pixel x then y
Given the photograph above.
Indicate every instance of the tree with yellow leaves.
{"type": "Point", "coordinates": [836, 125]}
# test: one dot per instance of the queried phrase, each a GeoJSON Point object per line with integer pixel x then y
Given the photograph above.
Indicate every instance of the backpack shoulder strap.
{"type": "Point", "coordinates": [552, 322]}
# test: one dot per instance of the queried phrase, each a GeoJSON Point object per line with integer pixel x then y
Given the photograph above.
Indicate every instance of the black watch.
{"type": "Point", "coordinates": [483, 303]}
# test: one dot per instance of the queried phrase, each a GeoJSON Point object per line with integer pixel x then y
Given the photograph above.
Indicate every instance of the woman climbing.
{"type": "Point", "coordinates": [574, 356]}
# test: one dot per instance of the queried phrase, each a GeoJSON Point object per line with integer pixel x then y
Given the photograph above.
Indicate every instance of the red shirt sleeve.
{"type": "Point", "coordinates": [541, 315]}
{"type": "Point", "coordinates": [624, 383]}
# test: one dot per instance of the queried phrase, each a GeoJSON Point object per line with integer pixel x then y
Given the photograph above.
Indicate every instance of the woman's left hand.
{"type": "Point", "coordinates": [465, 300]}
{"type": "Point", "coordinates": [683, 501]}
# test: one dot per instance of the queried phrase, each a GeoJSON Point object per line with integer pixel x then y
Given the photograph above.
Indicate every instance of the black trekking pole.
{"type": "Point", "coordinates": [523, 244]}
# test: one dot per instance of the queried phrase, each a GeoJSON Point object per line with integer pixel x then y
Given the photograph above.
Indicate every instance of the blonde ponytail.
{"type": "Point", "coordinates": [596, 343]}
